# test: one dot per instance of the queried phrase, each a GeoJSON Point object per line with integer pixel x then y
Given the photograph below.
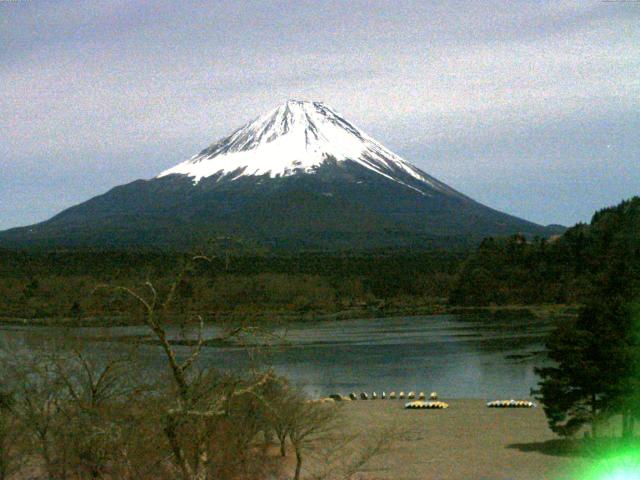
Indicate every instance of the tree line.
{"type": "Point", "coordinates": [60, 284]}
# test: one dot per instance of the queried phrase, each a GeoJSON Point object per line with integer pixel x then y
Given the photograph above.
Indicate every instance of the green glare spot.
{"type": "Point", "coordinates": [620, 466]}
{"type": "Point", "coordinates": [623, 473]}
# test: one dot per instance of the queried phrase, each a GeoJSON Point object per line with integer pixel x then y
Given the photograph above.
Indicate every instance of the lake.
{"type": "Point", "coordinates": [457, 356]}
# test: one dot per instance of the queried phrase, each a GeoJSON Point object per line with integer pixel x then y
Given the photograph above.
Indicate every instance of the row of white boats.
{"type": "Point", "coordinates": [383, 396]}
{"type": "Point", "coordinates": [419, 400]}
{"type": "Point", "coordinates": [511, 404]}
{"type": "Point", "coordinates": [419, 404]}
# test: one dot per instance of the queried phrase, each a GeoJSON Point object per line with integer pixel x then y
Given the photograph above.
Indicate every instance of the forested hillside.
{"type": "Point", "coordinates": [61, 284]}
{"type": "Point", "coordinates": [560, 270]}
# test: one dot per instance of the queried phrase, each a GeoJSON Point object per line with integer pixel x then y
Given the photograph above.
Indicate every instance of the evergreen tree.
{"type": "Point", "coordinates": [597, 357]}
{"type": "Point", "coordinates": [574, 392]}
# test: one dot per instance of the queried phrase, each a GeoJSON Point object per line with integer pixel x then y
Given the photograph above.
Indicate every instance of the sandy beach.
{"type": "Point", "coordinates": [466, 441]}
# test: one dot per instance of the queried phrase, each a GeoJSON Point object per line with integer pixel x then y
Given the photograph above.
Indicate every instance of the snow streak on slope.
{"type": "Point", "coordinates": [298, 137]}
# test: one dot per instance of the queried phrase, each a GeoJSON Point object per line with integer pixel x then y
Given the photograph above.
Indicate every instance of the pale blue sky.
{"type": "Point", "coordinates": [530, 107]}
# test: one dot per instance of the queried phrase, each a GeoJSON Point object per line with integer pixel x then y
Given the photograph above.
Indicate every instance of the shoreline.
{"type": "Point", "coordinates": [502, 311]}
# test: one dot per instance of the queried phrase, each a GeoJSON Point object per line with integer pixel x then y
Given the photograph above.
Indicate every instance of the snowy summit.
{"type": "Point", "coordinates": [297, 137]}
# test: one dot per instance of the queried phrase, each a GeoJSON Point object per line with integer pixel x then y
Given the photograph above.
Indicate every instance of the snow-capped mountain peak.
{"type": "Point", "coordinates": [299, 177]}
{"type": "Point", "coordinates": [297, 137]}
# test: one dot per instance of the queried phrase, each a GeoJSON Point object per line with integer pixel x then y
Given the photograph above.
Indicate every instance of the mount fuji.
{"type": "Point", "coordinates": [299, 176]}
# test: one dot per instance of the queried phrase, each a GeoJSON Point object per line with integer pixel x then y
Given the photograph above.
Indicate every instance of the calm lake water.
{"type": "Point", "coordinates": [457, 356]}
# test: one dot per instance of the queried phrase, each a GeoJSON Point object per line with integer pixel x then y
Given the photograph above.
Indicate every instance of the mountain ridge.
{"type": "Point", "coordinates": [299, 176]}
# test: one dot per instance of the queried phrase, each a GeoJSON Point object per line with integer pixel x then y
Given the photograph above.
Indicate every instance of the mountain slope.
{"type": "Point", "coordinates": [299, 176]}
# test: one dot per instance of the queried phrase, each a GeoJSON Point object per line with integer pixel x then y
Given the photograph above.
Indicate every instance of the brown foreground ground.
{"type": "Point", "coordinates": [467, 441]}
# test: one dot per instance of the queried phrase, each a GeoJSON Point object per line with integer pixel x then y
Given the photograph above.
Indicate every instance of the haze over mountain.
{"type": "Point", "coordinates": [299, 176]}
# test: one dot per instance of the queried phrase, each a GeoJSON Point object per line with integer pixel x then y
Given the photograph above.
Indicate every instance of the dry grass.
{"type": "Point", "coordinates": [467, 441]}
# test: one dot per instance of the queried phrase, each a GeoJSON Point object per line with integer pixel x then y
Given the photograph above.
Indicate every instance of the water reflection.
{"type": "Point", "coordinates": [456, 356]}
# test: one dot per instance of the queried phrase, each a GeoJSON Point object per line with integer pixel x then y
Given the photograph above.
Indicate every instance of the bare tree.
{"type": "Point", "coordinates": [346, 455]}
{"type": "Point", "coordinates": [280, 407]}
{"type": "Point", "coordinates": [76, 410]}
{"type": "Point", "coordinates": [10, 456]}
{"type": "Point", "coordinates": [198, 401]}
{"type": "Point", "coordinates": [88, 415]}
{"type": "Point", "coordinates": [313, 429]}
{"type": "Point", "coordinates": [95, 392]}
{"type": "Point", "coordinates": [38, 395]}
{"type": "Point", "coordinates": [310, 423]}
